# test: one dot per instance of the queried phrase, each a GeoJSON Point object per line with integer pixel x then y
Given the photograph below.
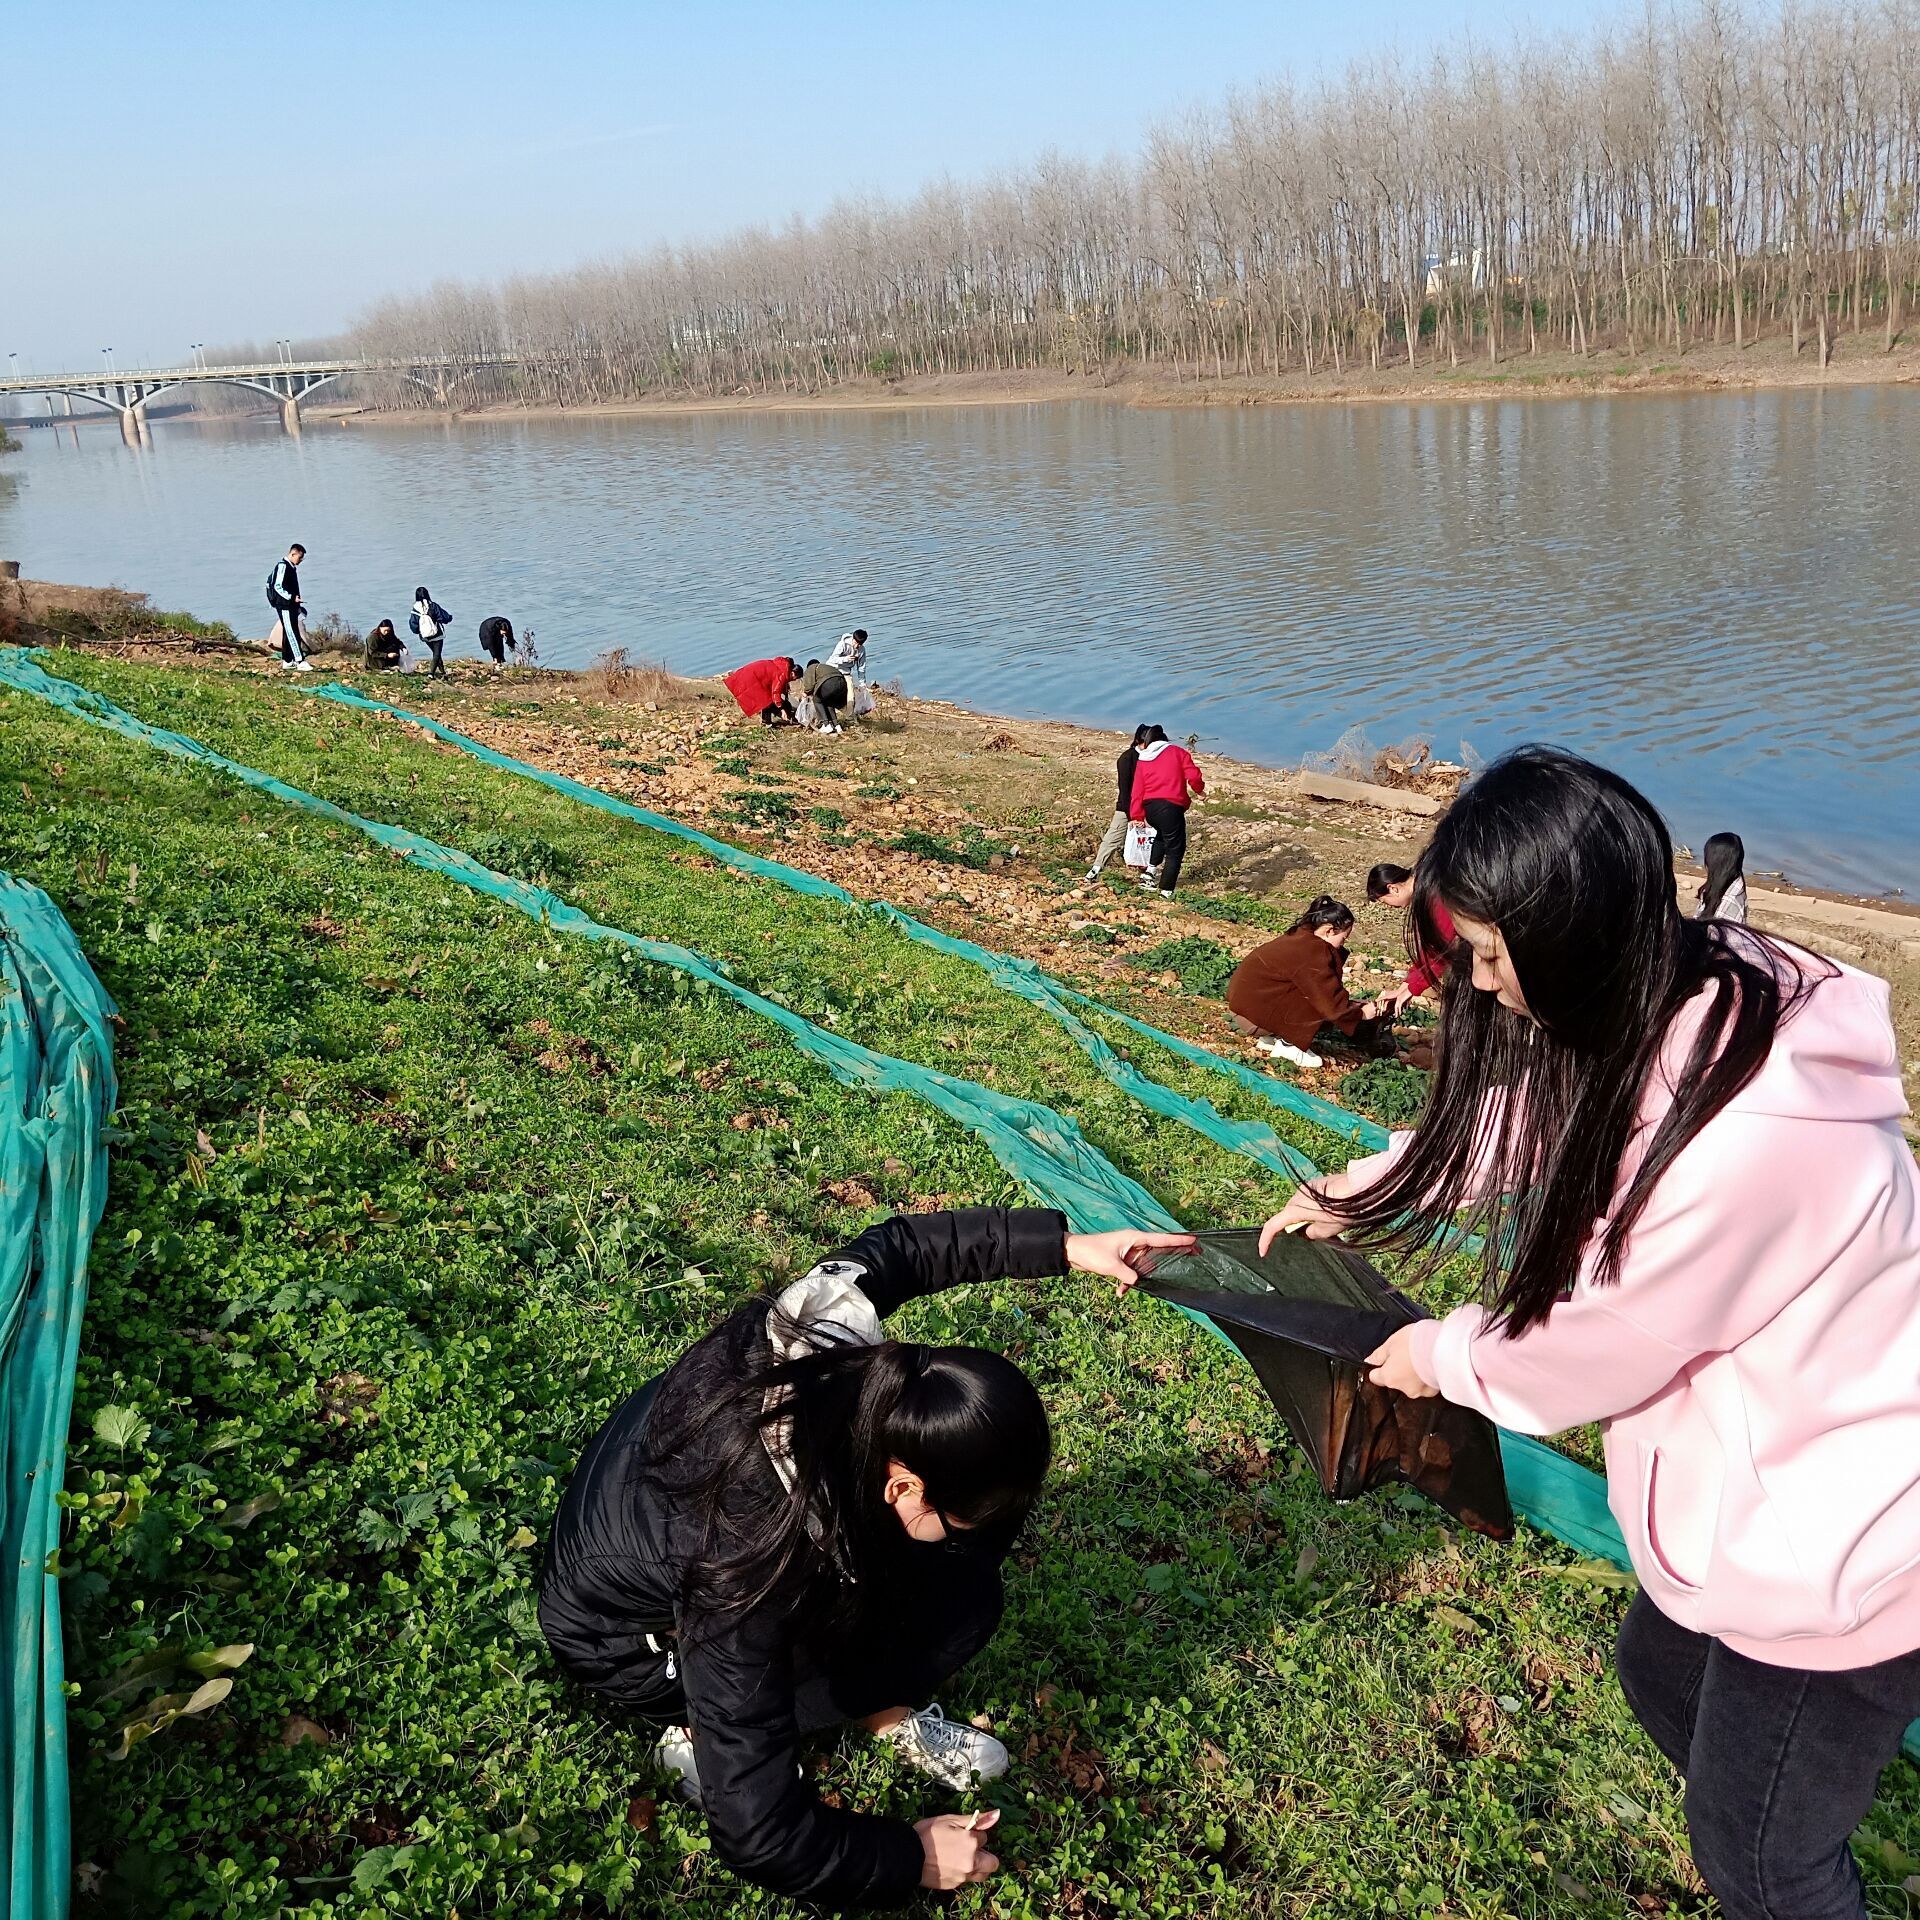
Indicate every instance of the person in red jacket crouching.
{"type": "Point", "coordinates": [1164, 782]}
{"type": "Point", "coordinates": [1393, 887]}
{"type": "Point", "coordinates": [761, 688]}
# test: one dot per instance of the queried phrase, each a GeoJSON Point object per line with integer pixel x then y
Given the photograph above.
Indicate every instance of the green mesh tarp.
{"type": "Point", "coordinates": [1044, 1151]}
{"type": "Point", "coordinates": [56, 1091]}
{"type": "Point", "coordinates": [1016, 976]}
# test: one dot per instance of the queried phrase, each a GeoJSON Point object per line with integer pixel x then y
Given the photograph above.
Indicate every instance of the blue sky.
{"type": "Point", "coordinates": [216, 172]}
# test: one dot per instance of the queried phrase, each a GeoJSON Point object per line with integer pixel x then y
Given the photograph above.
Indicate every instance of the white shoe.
{"type": "Point", "coordinates": [1093, 873]}
{"type": "Point", "coordinates": [1278, 1049]}
{"type": "Point", "coordinates": [303, 666]}
{"type": "Point", "coordinates": [1146, 879]}
{"type": "Point", "coordinates": [1166, 893]}
{"type": "Point", "coordinates": [674, 1754]}
{"type": "Point", "coordinates": [954, 1753]}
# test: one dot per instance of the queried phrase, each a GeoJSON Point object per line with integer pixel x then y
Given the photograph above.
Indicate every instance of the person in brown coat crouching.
{"type": "Point", "coordinates": [1284, 992]}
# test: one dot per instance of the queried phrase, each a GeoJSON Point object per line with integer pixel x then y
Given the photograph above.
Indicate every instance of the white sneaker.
{"type": "Point", "coordinates": [1278, 1049]}
{"type": "Point", "coordinates": [674, 1754]}
{"type": "Point", "coordinates": [954, 1753]}
{"type": "Point", "coordinates": [1166, 893]}
{"type": "Point", "coordinates": [1093, 873]}
{"type": "Point", "coordinates": [303, 666]}
{"type": "Point", "coordinates": [1146, 879]}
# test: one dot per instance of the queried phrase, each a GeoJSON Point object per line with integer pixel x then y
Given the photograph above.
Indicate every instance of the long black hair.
{"type": "Point", "coordinates": [1726, 858]}
{"type": "Point", "coordinates": [818, 1541]}
{"type": "Point", "coordinates": [1529, 1123]}
{"type": "Point", "coordinates": [1141, 735]}
{"type": "Point", "coordinates": [1324, 911]}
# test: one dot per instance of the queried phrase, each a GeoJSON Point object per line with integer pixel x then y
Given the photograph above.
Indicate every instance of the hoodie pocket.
{"type": "Point", "coordinates": [1649, 1526]}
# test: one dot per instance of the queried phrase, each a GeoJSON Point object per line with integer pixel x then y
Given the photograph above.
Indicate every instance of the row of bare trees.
{"type": "Point", "coordinates": [1708, 177]}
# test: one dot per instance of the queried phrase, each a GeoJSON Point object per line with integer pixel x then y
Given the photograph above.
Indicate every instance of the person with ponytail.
{"type": "Point", "coordinates": [800, 1525]}
{"type": "Point", "coordinates": [1680, 1142]}
{"type": "Point", "coordinates": [1287, 990]}
{"type": "Point", "coordinates": [1723, 893]}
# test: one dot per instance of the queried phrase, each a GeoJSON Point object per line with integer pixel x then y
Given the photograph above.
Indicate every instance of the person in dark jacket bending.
{"type": "Point", "coordinates": [801, 1524]}
{"type": "Point", "coordinates": [1115, 836]}
{"type": "Point", "coordinates": [496, 638]}
{"type": "Point", "coordinates": [1283, 993]}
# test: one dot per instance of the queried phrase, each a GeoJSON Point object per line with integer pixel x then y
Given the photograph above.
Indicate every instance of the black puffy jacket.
{"type": "Point", "coordinates": [616, 1563]}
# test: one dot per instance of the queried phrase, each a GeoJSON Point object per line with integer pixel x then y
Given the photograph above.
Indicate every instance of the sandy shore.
{"type": "Point", "coordinates": [1858, 361]}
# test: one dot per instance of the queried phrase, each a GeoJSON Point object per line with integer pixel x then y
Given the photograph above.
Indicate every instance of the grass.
{"type": "Point", "coordinates": [408, 1191]}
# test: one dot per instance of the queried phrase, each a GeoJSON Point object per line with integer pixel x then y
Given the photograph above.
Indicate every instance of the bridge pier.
{"type": "Point", "coordinates": [290, 414]}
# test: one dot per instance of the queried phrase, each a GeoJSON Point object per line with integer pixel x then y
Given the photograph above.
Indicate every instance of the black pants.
{"type": "Point", "coordinates": [437, 647]}
{"type": "Point", "coordinates": [936, 1619]}
{"type": "Point", "coordinates": [831, 698]}
{"type": "Point", "coordinates": [1780, 1764]}
{"type": "Point", "coordinates": [1169, 824]}
{"type": "Point", "coordinates": [290, 635]}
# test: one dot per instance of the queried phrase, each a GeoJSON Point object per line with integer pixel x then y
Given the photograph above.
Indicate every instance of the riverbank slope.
{"type": "Point", "coordinates": [979, 824]}
{"type": "Point", "coordinates": [1858, 360]}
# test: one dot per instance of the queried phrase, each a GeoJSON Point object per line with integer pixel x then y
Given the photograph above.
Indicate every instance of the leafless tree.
{"type": "Point", "coordinates": [1677, 180]}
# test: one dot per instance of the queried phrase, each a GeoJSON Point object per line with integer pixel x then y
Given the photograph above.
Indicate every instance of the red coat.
{"type": "Point", "coordinates": [1432, 964]}
{"type": "Point", "coordinates": [759, 685]}
{"type": "Point", "coordinates": [1164, 772]}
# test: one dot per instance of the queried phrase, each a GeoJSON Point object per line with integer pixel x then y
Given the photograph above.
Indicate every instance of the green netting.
{"type": "Point", "coordinates": [56, 1091]}
{"type": "Point", "coordinates": [1021, 977]}
{"type": "Point", "coordinates": [1044, 1151]}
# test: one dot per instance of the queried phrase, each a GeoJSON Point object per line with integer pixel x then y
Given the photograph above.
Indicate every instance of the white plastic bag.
{"type": "Point", "coordinates": [1139, 844]}
{"type": "Point", "coordinates": [863, 702]}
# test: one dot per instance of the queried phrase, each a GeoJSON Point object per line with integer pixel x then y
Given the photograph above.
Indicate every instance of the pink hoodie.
{"type": "Point", "coordinates": [1757, 1364]}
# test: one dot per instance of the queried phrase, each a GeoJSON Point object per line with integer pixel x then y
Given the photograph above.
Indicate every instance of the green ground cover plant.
{"type": "Point", "coordinates": [1238, 909]}
{"type": "Point", "coordinates": [1202, 966]}
{"type": "Point", "coordinates": [973, 848]}
{"type": "Point", "coordinates": [1391, 1093]}
{"type": "Point", "coordinates": [408, 1192]}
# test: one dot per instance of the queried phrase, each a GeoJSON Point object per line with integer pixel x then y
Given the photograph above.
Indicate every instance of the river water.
{"type": "Point", "coordinates": [1715, 594]}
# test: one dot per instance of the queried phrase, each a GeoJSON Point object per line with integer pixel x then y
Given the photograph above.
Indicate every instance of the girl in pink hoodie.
{"type": "Point", "coordinates": [1686, 1139]}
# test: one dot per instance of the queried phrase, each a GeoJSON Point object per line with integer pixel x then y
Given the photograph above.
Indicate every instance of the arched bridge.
{"type": "Point", "coordinates": [287, 382]}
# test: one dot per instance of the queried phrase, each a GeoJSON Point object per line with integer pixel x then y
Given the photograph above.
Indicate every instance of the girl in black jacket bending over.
{"type": "Point", "coordinates": [801, 1524]}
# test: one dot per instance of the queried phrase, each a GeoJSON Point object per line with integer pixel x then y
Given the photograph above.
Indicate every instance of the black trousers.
{"type": "Point", "coordinates": [437, 647]}
{"type": "Point", "coordinates": [291, 637]}
{"type": "Point", "coordinates": [1169, 824]}
{"type": "Point", "coordinates": [1780, 1763]}
{"type": "Point", "coordinates": [936, 1618]}
{"type": "Point", "coordinates": [831, 698]}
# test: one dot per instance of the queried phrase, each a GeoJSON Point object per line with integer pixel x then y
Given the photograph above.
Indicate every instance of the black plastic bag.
{"type": "Point", "coordinates": [1306, 1315]}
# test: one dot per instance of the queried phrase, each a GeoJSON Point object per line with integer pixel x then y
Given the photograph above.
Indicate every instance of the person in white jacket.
{"type": "Point", "coordinates": [1685, 1141]}
{"type": "Point", "coordinates": [849, 655]}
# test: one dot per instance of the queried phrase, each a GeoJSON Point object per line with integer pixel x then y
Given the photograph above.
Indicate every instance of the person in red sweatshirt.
{"type": "Point", "coordinates": [761, 688]}
{"type": "Point", "coordinates": [1164, 782]}
{"type": "Point", "coordinates": [1393, 886]}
